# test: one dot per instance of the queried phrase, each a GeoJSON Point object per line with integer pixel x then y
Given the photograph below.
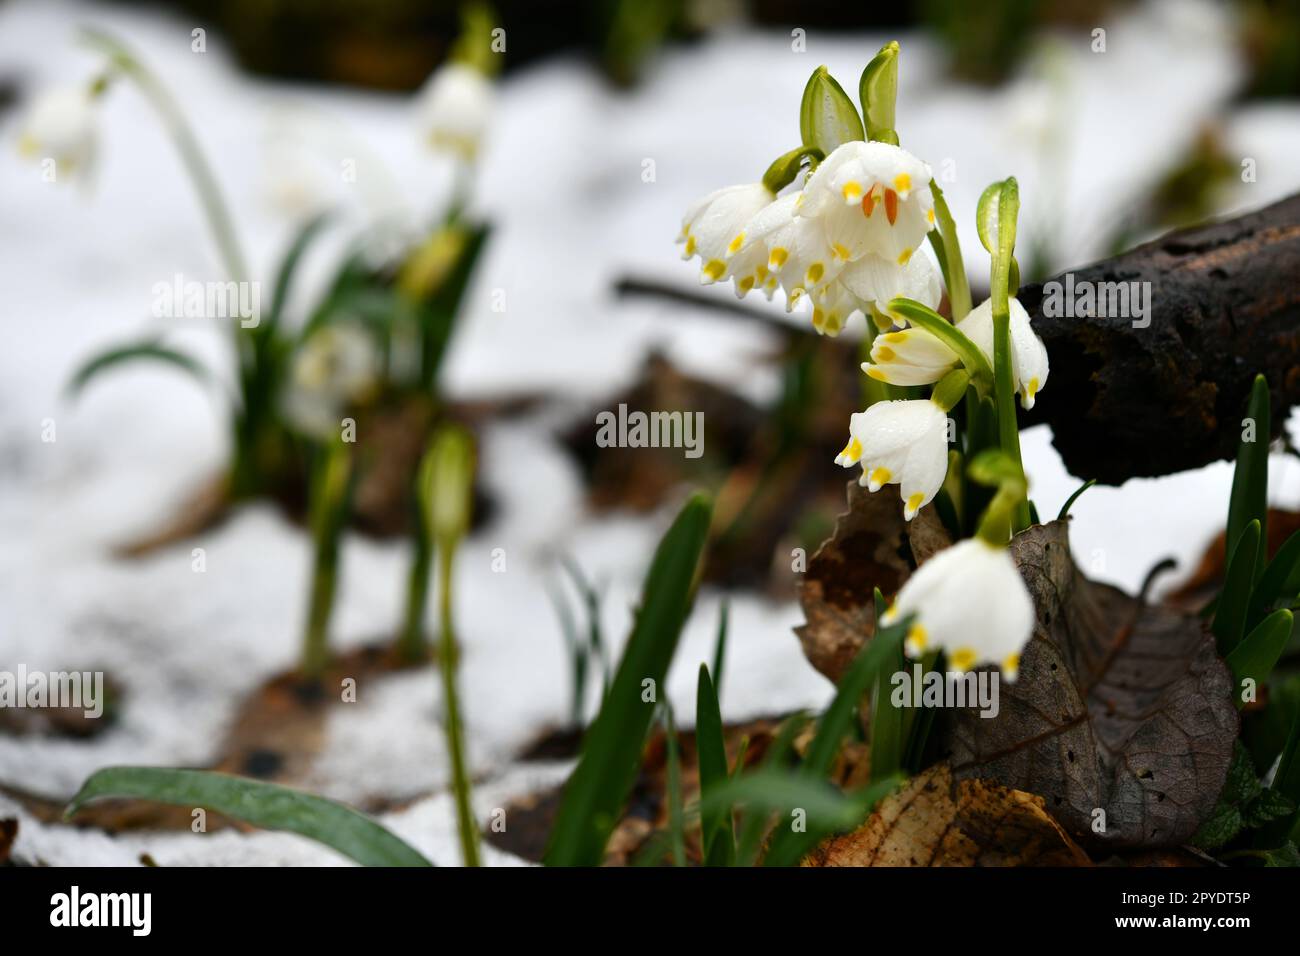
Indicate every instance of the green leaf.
{"type": "Point", "coordinates": [132, 353]}
{"type": "Point", "coordinates": [1069, 502]}
{"type": "Point", "coordinates": [720, 646]}
{"type": "Point", "coordinates": [878, 91]}
{"type": "Point", "coordinates": [289, 267]}
{"type": "Point", "coordinates": [786, 167]}
{"type": "Point", "coordinates": [1256, 656]}
{"type": "Point", "coordinates": [1268, 806]}
{"type": "Point", "coordinates": [264, 805]}
{"type": "Point", "coordinates": [755, 822]}
{"type": "Point", "coordinates": [1249, 499]}
{"type": "Point", "coordinates": [715, 825]}
{"type": "Point", "coordinates": [887, 724]}
{"type": "Point", "coordinates": [788, 852]}
{"type": "Point", "coordinates": [1285, 855]}
{"type": "Point", "coordinates": [1286, 782]}
{"type": "Point", "coordinates": [676, 807]}
{"type": "Point", "coordinates": [924, 317]}
{"type": "Point", "coordinates": [1272, 589]}
{"type": "Point", "coordinates": [1219, 828]}
{"type": "Point", "coordinates": [827, 117]}
{"type": "Point", "coordinates": [1234, 598]}
{"type": "Point", "coordinates": [611, 751]}
{"type": "Point", "coordinates": [880, 652]}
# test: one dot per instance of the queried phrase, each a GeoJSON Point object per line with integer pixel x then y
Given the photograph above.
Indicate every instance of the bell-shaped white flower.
{"type": "Point", "coordinates": [873, 198]}
{"type": "Point", "coordinates": [453, 108]}
{"type": "Point", "coordinates": [61, 126]}
{"type": "Point", "coordinates": [874, 280]}
{"type": "Point", "coordinates": [970, 602]}
{"type": "Point", "coordinates": [909, 357]}
{"type": "Point", "coordinates": [798, 255]}
{"type": "Point", "coordinates": [715, 229]}
{"type": "Point", "coordinates": [335, 367]}
{"type": "Point", "coordinates": [1028, 354]}
{"type": "Point", "coordinates": [903, 443]}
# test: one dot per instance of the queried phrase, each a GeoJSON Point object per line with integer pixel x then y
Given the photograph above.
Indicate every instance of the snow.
{"type": "Point", "coordinates": [564, 181]}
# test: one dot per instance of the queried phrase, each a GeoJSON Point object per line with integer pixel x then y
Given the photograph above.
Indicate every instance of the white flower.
{"type": "Point", "coordinates": [915, 357]}
{"type": "Point", "coordinates": [714, 228]}
{"type": "Point", "coordinates": [873, 198]}
{"type": "Point", "coordinates": [335, 367]}
{"type": "Point", "coordinates": [453, 108]}
{"type": "Point", "coordinates": [873, 280]}
{"type": "Point", "coordinates": [1028, 354]}
{"type": "Point", "coordinates": [60, 126]}
{"type": "Point", "coordinates": [969, 601]}
{"type": "Point", "coordinates": [903, 443]}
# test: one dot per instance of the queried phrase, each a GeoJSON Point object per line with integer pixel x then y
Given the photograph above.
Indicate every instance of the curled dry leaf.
{"type": "Point", "coordinates": [873, 547]}
{"type": "Point", "coordinates": [938, 821]}
{"type": "Point", "coordinates": [1121, 718]}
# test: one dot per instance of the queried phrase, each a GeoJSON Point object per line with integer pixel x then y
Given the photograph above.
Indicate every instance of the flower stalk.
{"type": "Point", "coordinates": [329, 497]}
{"type": "Point", "coordinates": [448, 487]}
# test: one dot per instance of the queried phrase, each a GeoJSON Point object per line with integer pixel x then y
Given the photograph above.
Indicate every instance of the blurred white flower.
{"type": "Point", "coordinates": [454, 106]}
{"type": "Point", "coordinates": [970, 602]}
{"type": "Point", "coordinates": [715, 228]}
{"type": "Point", "coordinates": [1028, 353]}
{"type": "Point", "coordinates": [903, 443]}
{"type": "Point", "coordinates": [336, 367]}
{"type": "Point", "coordinates": [60, 125]}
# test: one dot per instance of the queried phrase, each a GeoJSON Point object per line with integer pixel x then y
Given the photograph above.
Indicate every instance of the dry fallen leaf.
{"type": "Point", "coordinates": [873, 547]}
{"type": "Point", "coordinates": [936, 821]}
{"type": "Point", "coordinates": [1121, 717]}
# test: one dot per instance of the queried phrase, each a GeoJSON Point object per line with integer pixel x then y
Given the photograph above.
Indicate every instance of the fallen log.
{"type": "Point", "coordinates": [1143, 395]}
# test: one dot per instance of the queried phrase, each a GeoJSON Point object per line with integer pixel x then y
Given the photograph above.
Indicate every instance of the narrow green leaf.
{"type": "Point", "coordinates": [1257, 654]}
{"type": "Point", "coordinates": [887, 723]}
{"type": "Point", "coordinates": [676, 806]}
{"type": "Point", "coordinates": [827, 117]}
{"type": "Point", "coordinates": [264, 805]}
{"type": "Point", "coordinates": [1234, 598]}
{"type": "Point", "coordinates": [720, 647]}
{"type": "Point", "coordinates": [1249, 499]}
{"type": "Point", "coordinates": [711, 754]}
{"type": "Point", "coordinates": [754, 822]}
{"type": "Point", "coordinates": [878, 91]}
{"type": "Point", "coordinates": [1272, 588]}
{"type": "Point", "coordinates": [1286, 782]}
{"type": "Point", "coordinates": [924, 317]}
{"type": "Point", "coordinates": [881, 651]}
{"type": "Point", "coordinates": [1069, 502]}
{"type": "Point", "coordinates": [289, 267]}
{"type": "Point", "coordinates": [133, 353]}
{"type": "Point", "coordinates": [611, 751]}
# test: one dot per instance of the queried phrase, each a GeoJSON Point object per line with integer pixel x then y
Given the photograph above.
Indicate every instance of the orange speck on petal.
{"type": "Point", "coordinates": [891, 206]}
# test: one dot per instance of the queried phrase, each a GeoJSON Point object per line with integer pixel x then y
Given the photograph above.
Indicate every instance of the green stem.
{"type": "Point", "coordinates": [328, 509]}
{"type": "Point", "coordinates": [173, 119]}
{"type": "Point", "coordinates": [412, 645]}
{"type": "Point", "coordinates": [1004, 384]}
{"type": "Point", "coordinates": [449, 660]}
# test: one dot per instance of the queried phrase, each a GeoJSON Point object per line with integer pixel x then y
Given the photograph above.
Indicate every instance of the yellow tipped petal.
{"type": "Point", "coordinates": [815, 273]}
{"type": "Point", "coordinates": [714, 269]}
{"type": "Point", "coordinates": [912, 505]}
{"type": "Point", "coordinates": [904, 256]}
{"type": "Point", "coordinates": [903, 183]}
{"type": "Point", "coordinates": [852, 451]}
{"type": "Point", "coordinates": [962, 659]}
{"type": "Point", "coordinates": [852, 192]}
{"type": "Point", "coordinates": [776, 257]}
{"type": "Point", "coordinates": [736, 243]}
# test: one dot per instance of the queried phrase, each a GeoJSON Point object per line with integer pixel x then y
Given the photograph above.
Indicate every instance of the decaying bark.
{"type": "Point", "coordinates": [1126, 401]}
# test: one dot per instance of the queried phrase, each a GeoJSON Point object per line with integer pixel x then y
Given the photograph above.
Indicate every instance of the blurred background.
{"type": "Point", "coordinates": [608, 118]}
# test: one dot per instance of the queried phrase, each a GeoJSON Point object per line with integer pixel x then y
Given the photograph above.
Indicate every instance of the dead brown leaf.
{"type": "Point", "coordinates": [936, 821]}
{"type": "Point", "coordinates": [873, 547]}
{"type": "Point", "coordinates": [1121, 708]}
